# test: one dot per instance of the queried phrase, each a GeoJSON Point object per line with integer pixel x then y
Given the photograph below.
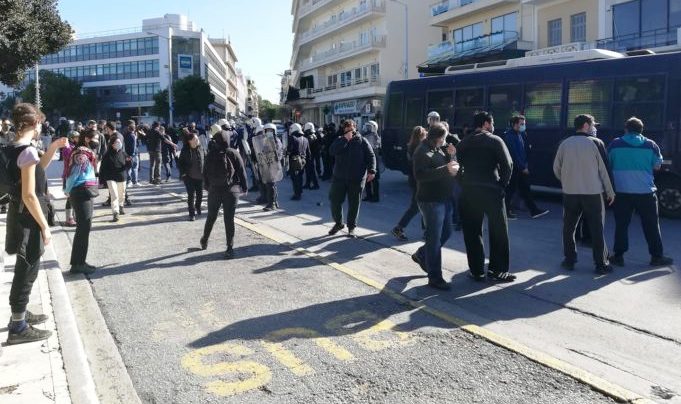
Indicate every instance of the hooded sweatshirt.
{"type": "Point", "coordinates": [633, 158]}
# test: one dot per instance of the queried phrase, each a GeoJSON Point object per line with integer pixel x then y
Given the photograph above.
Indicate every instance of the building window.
{"type": "Point", "coordinates": [505, 28]}
{"type": "Point", "coordinates": [578, 28]}
{"type": "Point", "coordinates": [555, 32]}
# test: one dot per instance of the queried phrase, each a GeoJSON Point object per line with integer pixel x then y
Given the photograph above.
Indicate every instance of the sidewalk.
{"type": "Point", "coordinates": [51, 371]}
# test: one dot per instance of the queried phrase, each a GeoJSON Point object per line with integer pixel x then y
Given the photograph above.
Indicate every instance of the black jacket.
{"type": "Point", "coordinates": [114, 166]}
{"type": "Point", "coordinates": [298, 145]}
{"type": "Point", "coordinates": [185, 161]}
{"type": "Point", "coordinates": [354, 158]}
{"type": "Point", "coordinates": [237, 183]}
{"type": "Point", "coordinates": [434, 183]}
{"type": "Point", "coordinates": [485, 161]}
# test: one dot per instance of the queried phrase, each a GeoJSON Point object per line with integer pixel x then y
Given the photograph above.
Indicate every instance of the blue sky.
{"type": "Point", "coordinates": [260, 30]}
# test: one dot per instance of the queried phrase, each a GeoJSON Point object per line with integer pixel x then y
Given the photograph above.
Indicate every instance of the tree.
{"type": "Point", "coordinates": [30, 29]}
{"type": "Point", "coordinates": [191, 94]}
{"type": "Point", "coordinates": [161, 108]}
{"type": "Point", "coordinates": [268, 111]}
{"type": "Point", "coordinates": [60, 95]}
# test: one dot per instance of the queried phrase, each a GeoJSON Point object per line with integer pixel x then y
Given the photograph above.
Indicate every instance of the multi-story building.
{"type": "Point", "coordinates": [477, 31]}
{"type": "Point", "coordinates": [242, 91]}
{"type": "Point", "coordinates": [125, 70]}
{"type": "Point", "coordinates": [345, 52]}
{"type": "Point", "coordinates": [252, 101]}
{"type": "Point", "coordinates": [226, 51]}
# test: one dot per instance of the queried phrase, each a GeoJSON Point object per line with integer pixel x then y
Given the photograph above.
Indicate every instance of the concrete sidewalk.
{"type": "Point", "coordinates": [51, 371]}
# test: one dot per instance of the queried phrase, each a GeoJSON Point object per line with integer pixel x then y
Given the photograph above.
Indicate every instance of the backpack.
{"type": "Point", "coordinates": [10, 181]}
{"type": "Point", "coordinates": [219, 168]}
{"type": "Point", "coordinates": [297, 163]}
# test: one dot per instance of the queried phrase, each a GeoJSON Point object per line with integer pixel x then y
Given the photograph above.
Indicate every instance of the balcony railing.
{"type": "Point", "coordinates": [485, 41]}
{"type": "Point", "coordinates": [443, 6]}
{"type": "Point", "coordinates": [345, 48]}
{"type": "Point", "coordinates": [342, 19]}
{"type": "Point", "coordinates": [310, 6]}
{"type": "Point", "coordinates": [640, 40]}
{"type": "Point", "coordinates": [355, 84]}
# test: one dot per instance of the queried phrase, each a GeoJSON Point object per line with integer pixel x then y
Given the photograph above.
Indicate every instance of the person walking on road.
{"type": "Point", "coordinates": [417, 136]}
{"type": "Point", "coordinates": [27, 228]}
{"type": "Point", "coordinates": [355, 165]}
{"type": "Point", "coordinates": [191, 165]}
{"type": "Point", "coordinates": [583, 173]}
{"type": "Point", "coordinates": [434, 171]}
{"type": "Point", "coordinates": [168, 155]}
{"type": "Point", "coordinates": [299, 155]}
{"type": "Point", "coordinates": [518, 145]}
{"type": "Point", "coordinates": [311, 181]}
{"type": "Point", "coordinates": [371, 135]}
{"type": "Point", "coordinates": [132, 149]}
{"type": "Point", "coordinates": [633, 160]}
{"type": "Point", "coordinates": [486, 171]}
{"type": "Point", "coordinates": [268, 152]}
{"type": "Point", "coordinates": [81, 188]}
{"type": "Point", "coordinates": [115, 164]}
{"type": "Point", "coordinates": [224, 177]}
{"type": "Point", "coordinates": [154, 141]}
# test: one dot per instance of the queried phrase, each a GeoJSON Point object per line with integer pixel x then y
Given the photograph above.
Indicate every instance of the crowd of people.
{"type": "Point", "coordinates": [456, 182]}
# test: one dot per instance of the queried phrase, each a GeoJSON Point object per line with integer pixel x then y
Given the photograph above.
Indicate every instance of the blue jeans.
{"type": "Point", "coordinates": [132, 172]}
{"type": "Point", "coordinates": [438, 219]}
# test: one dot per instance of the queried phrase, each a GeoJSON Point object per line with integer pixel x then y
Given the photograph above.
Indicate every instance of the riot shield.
{"type": "Point", "coordinates": [268, 155]}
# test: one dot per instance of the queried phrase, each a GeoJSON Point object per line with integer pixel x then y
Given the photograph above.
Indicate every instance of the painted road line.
{"type": "Point", "coordinates": [597, 383]}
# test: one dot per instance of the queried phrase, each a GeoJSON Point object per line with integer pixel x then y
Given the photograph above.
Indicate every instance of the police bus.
{"type": "Point", "coordinates": [550, 90]}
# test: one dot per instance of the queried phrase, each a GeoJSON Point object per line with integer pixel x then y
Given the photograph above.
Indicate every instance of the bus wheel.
{"type": "Point", "coordinates": [669, 194]}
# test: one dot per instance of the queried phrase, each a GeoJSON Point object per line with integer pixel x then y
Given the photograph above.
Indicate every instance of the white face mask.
{"type": "Point", "coordinates": [593, 131]}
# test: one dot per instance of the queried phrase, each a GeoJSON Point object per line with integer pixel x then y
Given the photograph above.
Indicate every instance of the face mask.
{"type": "Point", "coordinates": [522, 128]}
{"type": "Point", "coordinates": [269, 134]}
{"type": "Point", "coordinates": [593, 131]}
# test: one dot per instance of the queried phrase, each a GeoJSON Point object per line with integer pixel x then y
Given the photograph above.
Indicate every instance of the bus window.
{"type": "Point", "coordinates": [542, 104]}
{"type": "Point", "coordinates": [415, 114]}
{"type": "Point", "coordinates": [504, 102]}
{"type": "Point", "coordinates": [443, 103]}
{"type": "Point", "coordinates": [590, 97]}
{"type": "Point", "coordinates": [642, 97]}
{"type": "Point", "coordinates": [394, 119]}
{"type": "Point", "coordinates": [467, 103]}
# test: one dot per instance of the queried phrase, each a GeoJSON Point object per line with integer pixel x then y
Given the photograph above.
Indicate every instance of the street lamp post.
{"type": "Point", "coordinates": [38, 101]}
{"type": "Point", "coordinates": [170, 72]}
{"type": "Point", "coordinates": [406, 36]}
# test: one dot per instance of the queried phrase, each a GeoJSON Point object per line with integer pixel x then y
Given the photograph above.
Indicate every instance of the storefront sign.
{"type": "Point", "coordinates": [185, 66]}
{"type": "Point", "coordinates": [345, 107]}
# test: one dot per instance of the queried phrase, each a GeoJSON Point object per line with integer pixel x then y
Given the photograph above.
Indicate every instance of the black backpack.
{"type": "Point", "coordinates": [10, 181]}
{"type": "Point", "coordinates": [219, 167]}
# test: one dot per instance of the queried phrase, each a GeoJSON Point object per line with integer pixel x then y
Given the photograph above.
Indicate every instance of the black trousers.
{"type": "Point", "coordinates": [337, 194]}
{"type": "Point", "coordinates": [194, 194]}
{"type": "Point", "coordinates": [154, 166]}
{"type": "Point", "coordinates": [317, 159]}
{"type": "Point", "coordinates": [271, 194]}
{"type": "Point", "coordinates": [593, 210]}
{"type": "Point", "coordinates": [297, 180]}
{"type": "Point", "coordinates": [227, 200]}
{"type": "Point", "coordinates": [83, 209]}
{"type": "Point", "coordinates": [30, 249]}
{"type": "Point", "coordinates": [476, 203]}
{"type": "Point", "coordinates": [311, 175]}
{"type": "Point", "coordinates": [646, 207]}
{"type": "Point", "coordinates": [521, 183]}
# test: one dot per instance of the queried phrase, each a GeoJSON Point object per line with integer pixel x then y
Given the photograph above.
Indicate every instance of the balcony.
{"type": "Point", "coordinates": [341, 20]}
{"type": "Point", "coordinates": [311, 6]}
{"type": "Point", "coordinates": [445, 12]}
{"type": "Point", "coordinates": [329, 91]}
{"type": "Point", "coordinates": [484, 42]}
{"type": "Point", "coordinates": [641, 40]}
{"type": "Point", "coordinates": [344, 50]}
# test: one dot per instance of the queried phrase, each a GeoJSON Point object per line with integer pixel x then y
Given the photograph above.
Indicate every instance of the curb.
{"type": "Point", "coordinates": [78, 374]}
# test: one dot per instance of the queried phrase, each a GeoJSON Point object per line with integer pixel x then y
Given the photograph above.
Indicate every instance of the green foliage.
{"type": "Point", "coordinates": [191, 94]}
{"type": "Point", "coordinates": [60, 96]}
{"type": "Point", "coordinates": [160, 108]}
{"type": "Point", "coordinates": [30, 29]}
{"type": "Point", "coordinates": [269, 111]}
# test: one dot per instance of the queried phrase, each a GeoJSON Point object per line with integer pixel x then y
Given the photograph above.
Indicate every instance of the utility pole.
{"type": "Point", "coordinates": [38, 101]}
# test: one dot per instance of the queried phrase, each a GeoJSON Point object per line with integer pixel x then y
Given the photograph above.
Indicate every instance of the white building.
{"type": "Point", "coordinates": [125, 70]}
{"type": "Point", "coordinates": [252, 100]}
{"type": "Point", "coordinates": [345, 52]}
{"type": "Point", "coordinates": [242, 91]}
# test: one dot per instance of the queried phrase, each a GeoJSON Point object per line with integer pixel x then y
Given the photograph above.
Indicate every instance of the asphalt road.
{"type": "Point", "coordinates": [277, 326]}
